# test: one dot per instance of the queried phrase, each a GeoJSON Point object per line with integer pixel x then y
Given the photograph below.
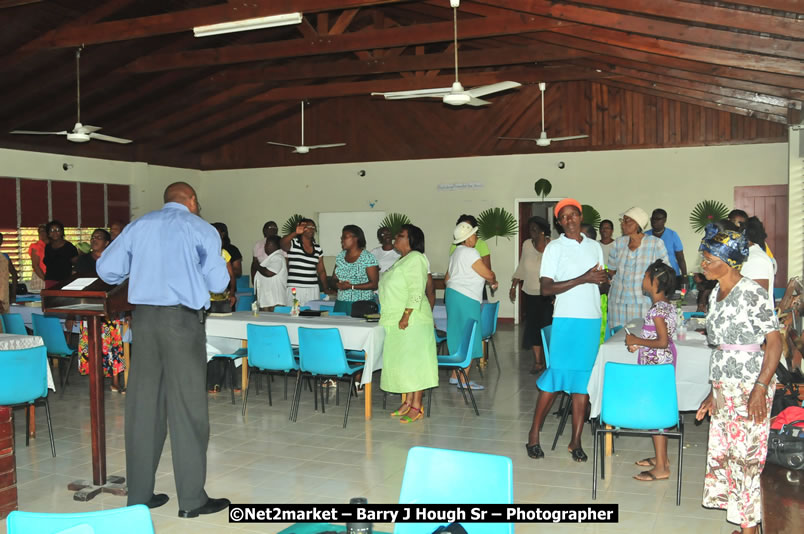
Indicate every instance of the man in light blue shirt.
{"type": "Point", "coordinates": [172, 259]}
{"type": "Point", "coordinates": [675, 251]}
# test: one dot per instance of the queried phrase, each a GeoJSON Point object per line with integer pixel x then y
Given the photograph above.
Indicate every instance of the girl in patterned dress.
{"type": "Point", "coordinates": [656, 347]}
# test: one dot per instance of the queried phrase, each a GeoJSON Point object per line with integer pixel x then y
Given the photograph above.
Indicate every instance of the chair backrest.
{"type": "Point", "coordinates": [546, 331]}
{"type": "Point", "coordinates": [269, 347]}
{"type": "Point", "coordinates": [321, 352]}
{"type": "Point", "coordinates": [14, 324]}
{"type": "Point", "coordinates": [689, 315]}
{"type": "Point", "coordinates": [488, 319]}
{"type": "Point", "coordinates": [336, 314]}
{"type": "Point", "coordinates": [342, 306]}
{"type": "Point", "coordinates": [242, 283]}
{"type": "Point", "coordinates": [281, 309]}
{"type": "Point", "coordinates": [639, 396]}
{"type": "Point", "coordinates": [778, 292]}
{"type": "Point", "coordinates": [463, 355]}
{"type": "Point", "coordinates": [129, 520]}
{"type": "Point", "coordinates": [616, 329]}
{"type": "Point", "coordinates": [23, 375]}
{"type": "Point", "coordinates": [443, 476]}
{"type": "Point", "coordinates": [51, 331]}
{"type": "Point", "coordinates": [244, 302]}
{"type": "Point", "coordinates": [327, 308]}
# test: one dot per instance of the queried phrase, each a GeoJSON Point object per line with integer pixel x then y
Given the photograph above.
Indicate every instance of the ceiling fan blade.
{"type": "Point", "coordinates": [518, 138]}
{"type": "Point", "coordinates": [89, 129]}
{"type": "Point", "coordinates": [417, 93]}
{"type": "Point", "coordinates": [477, 102]}
{"type": "Point", "coordinates": [33, 132]}
{"type": "Point", "coordinates": [567, 138]}
{"type": "Point", "coordinates": [493, 88]}
{"type": "Point", "coordinates": [326, 146]}
{"type": "Point", "coordinates": [102, 137]}
{"type": "Point", "coordinates": [280, 144]}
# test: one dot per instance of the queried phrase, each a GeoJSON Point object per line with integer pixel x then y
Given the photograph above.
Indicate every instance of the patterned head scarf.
{"type": "Point", "coordinates": [728, 245]}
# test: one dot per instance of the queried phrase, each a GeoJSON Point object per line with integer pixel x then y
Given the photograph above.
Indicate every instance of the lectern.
{"type": "Point", "coordinates": [92, 303]}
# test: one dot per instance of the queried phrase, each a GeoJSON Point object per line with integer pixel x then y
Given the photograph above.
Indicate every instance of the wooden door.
{"type": "Point", "coordinates": [770, 204]}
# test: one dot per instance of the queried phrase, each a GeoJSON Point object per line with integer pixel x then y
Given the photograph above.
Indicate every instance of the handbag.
{"type": "Point", "coordinates": [361, 308]}
{"type": "Point", "coordinates": [786, 446]}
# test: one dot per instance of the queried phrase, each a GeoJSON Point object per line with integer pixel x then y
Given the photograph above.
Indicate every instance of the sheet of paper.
{"type": "Point", "coordinates": [78, 284]}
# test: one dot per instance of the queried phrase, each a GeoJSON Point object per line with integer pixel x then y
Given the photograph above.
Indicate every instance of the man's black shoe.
{"type": "Point", "coordinates": [157, 500]}
{"type": "Point", "coordinates": [212, 506]}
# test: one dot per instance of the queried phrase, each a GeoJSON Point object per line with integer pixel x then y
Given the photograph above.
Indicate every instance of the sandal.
{"type": "Point", "coordinates": [578, 455]}
{"type": "Point", "coordinates": [405, 419]}
{"type": "Point", "coordinates": [534, 451]}
{"type": "Point", "coordinates": [646, 462]}
{"type": "Point", "coordinates": [647, 476]}
{"type": "Point", "coordinates": [405, 408]}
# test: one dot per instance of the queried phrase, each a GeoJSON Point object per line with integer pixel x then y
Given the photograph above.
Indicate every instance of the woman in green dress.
{"type": "Point", "coordinates": [409, 353]}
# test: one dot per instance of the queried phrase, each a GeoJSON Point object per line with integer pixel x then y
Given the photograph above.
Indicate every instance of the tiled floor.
{"type": "Point", "coordinates": [264, 458]}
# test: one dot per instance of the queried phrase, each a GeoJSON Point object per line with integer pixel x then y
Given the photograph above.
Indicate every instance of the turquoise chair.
{"type": "Point", "coordinates": [689, 315]}
{"type": "Point", "coordinates": [778, 293]}
{"type": "Point", "coordinates": [52, 333]}
{"type": "Point", "coordinates": [269, 351]}
{"type": "Point", "coordinates": [457, 361]}
{"type": "Point", "coordinates": [329, 309]}
{"type": "Point", "coordinates": [321, 355]}
{"type": "Point", "coordinates": [565, 403]}
{"type": "Point", "coordinates": [244, 302]}
{"type": "Point", "coordinates": [14, 324]}
{"type": "Point", "coordinates": [443, 476]}
{"type": "Point", "coordinates": [488, 327]}
{"type": "Point", "coordinates": [242, 283]}
{"type": "Point", "coordinates": [631, 408]}
{"type": "Point", "coordinates": [341, 306]}
{"type": "Point", "coordinates": [230, 368]}
{"type": "Point", "coordinates": [337, 314]}
{"type": "Point", "coordinates": [615, 330]}
{"type": "Point", "coordinates": [546, 331]}
{"type": "Point", "coordinates": [23, 380]}
{"type": "Point", "coordinates": [281, 309]}
{"type": "Point", "coordinates": [129, 520]}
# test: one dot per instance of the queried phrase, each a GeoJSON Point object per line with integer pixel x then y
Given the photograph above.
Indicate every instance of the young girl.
{"type": "Point", "coordinates": [656, 347]}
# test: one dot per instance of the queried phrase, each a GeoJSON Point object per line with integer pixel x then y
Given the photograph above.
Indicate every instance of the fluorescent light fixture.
{"type": "Point", "coordinates": [248, 24]}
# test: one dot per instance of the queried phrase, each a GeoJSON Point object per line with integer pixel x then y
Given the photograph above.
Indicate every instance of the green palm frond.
{"type": "Point", "coordinates": [291, 224]}
{"type": "Point", "coordinates": [394, 222]}
{"type": "Point", "coordinates": [543, 187]}
{"type": "Point", "coordinates": [591, 216]}
{"type": "Point", "coordinates": [496, 222]}
{"type": "Point", "coordinates": [707, 211]}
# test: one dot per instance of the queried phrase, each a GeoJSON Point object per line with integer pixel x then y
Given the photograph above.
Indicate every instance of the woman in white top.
{"type": "Point", "coordinates": [538, 308]}
{"type": "Point", "coordinates": [271, 277]}
{"type": "Point", "coordinates": [606, 240]}
{"type": "Point", "coordinates": [466, 276]}
{"type": "Point", "coordinates": [759, 267]}
{"type": "Point", "coordinates": [386, 254]}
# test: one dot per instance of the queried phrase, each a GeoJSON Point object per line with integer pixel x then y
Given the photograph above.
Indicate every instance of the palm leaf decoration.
{"type": "Point", "coordinates": [543, 187]}
{"type": "Point", "coordinates": [496, 222]}
{"type": "Point", "coordinates": [394, 222]}
{"type": "Point", "coordinates": [290, 225]}
{"type": "Point", "coordinates": [591, 216]}
{"type": "Point", "coordinates": [707, 211]}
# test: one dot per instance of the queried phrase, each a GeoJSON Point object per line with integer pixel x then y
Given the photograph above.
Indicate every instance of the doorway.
{"type": "Point", "coordinates": [527, 208]}
{"type": "Point", "coordinates": [770, 204]}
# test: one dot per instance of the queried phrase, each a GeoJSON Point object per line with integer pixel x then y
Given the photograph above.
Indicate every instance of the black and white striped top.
{"type": "Point", "coordinates": [302, 267]}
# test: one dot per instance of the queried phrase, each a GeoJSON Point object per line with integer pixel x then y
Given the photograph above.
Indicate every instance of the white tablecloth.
{"type": "Point", "coordinates": [27, 317]}
{"type": "Point", "coordinates": [356, 334]}
{"type": "Point", "coordinates": [15, 342]}
{"type": "Point", "coordinates": [692, 368]}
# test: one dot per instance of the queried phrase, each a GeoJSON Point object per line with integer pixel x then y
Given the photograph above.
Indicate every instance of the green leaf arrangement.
{"type": "Point", "coordinates": [496, 222]}
{"type": "Point", "coordinates": [707, 211]}
{"type": "Point", "coordinates": [394, 222]}
{"type": "Point", "coordinates": [291, 224]}
{"type": "Point", "coordinates": [591, 216]}
{"type": "Point", "coordinates": [543, 187]}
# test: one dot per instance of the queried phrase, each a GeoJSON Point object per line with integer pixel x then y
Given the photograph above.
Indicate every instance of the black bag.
{"type": "Point", "coordinates": [361, 308]}
{"type": "Point", "coordinates": [786, 446]}
{"type": "Point", "coordinates": [452, 528]}
{"type": "Point", "coordinates": [784, 398]}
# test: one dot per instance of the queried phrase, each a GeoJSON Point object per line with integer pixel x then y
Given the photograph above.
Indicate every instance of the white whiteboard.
{"type": "Point", "coordinates": [331, 224]}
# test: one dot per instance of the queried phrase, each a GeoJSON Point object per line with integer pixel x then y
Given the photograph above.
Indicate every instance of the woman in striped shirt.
{"type": "Point", "coordinates": [305, 263]}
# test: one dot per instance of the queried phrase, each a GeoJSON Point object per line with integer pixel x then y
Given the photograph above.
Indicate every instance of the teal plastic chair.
{"type": "Point", "coordinates": [129, 520]}
{"type": "Point", "coordinates": [269, 351]}
{"type": "Point", "coordinates": [444, 476]}
{"type": "Point", "coordinates": [631, 408]}
{"type": "Point", "coordinates": [14, 324]}
{"type": "Point", "coordinates": [327, 308]}
{"type": "Point", "coordinates": [689, 315]}
{"type": "Point", "coordinates": [242, 284]}
{"type": "Point", "coordinates": [321, 355]}
{"type": "Point", "coordinates": [488, 327]}
{"type": "Point", "coordinates": [615, 330]}
{"type": "Point", "coordinates": [546, 331]}
{"type": "Point", "coordinates": [281, 309]}
{"type": "Point", "coordinates": [230, 368]}
{"type": "Point", "coordinates": [50, 330]}
{"type": "Point", "coordinates": [778, 292]}
{"type": "Point", "coordinates": [343, 307]}
{"type": "Point", "coordinates": [244, 302]}
{"type": "Point", "coordinates": [23, 380]}
{"type": "Point", "coordinates": [457, 361]}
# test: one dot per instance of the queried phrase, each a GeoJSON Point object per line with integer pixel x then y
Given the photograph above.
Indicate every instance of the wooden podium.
{"type": "Point", "coordinates": [92, 303]}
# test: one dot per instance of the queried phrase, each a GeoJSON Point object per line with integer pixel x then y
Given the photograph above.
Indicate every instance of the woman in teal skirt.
{"type": "Point", "coordinates": [409, 357]}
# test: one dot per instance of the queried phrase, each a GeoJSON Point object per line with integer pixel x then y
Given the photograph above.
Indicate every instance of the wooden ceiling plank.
{"type": "Point", "coordinates": [306, 30]}
{"type": "Point", "coordinates": [343, 21]}
{"type": "Point", "coordinates": [350, 42]}
{"type": "Point", "coordinates": [789, 6]}
{"type": "Point", "coordinates": [322, 23]}
{"type": "Point", "coordinates": [237, 126]}
{"type": "Point", "coordinates": [669, 34]}
{"type": "Point", "coordinates": [14, 3]}
{"type": "Point", "coordinates": [186, 20]}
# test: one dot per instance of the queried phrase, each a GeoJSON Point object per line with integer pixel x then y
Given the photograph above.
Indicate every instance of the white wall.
{"type": "Point", "coordinates": [674, 179]}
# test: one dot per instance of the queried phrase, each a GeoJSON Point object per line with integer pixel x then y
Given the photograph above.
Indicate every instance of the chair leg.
{"type": "Point", "coordinates": [384, 400]}
{"type": "Point", "coordinates": [315, 393]}
{"type": "Point", "coordinates": [467, 388]}
{"type": "Point", "coordinates": [460, 373]}
{"type": "Point", "coordinates": [294, 405]}
{"type": "Point", "coordinates": [680, 457]}
{"type": "Point", "coordinates": [602, 446]}
{"type": "Point", "coordinates": [479, 368]}
{"type": "Point", "coordinates": [321, 388]}
{"type": "Point", "coordinates": [270, 397]}
{"type": "Point", "coordinates": [496, 358]}
{"type": "Point", "coordinates": [429, 401]}
{"type": "Point", "coordinates": [348, 400]}
{"type": "Point", "coordinates": [231, 370]}
{"type": "Point", "coordinates": [563, 423]}
{"type": "Point", "coordinates": [27, 423]}
{"type": "Point", "coordinates": [286, 384]}
{"type": "Point", "coordinates": [338, 392]}
{"type": "Point", "coordinates": [50, 428]}
{"type": "Point", "coordinates": [245, 391]}
{"type": "Point", "coordinates": [594, 465]}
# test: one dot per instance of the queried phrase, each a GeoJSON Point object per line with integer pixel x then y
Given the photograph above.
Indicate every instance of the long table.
{"type": "Point", "coordinates": [356, 334]}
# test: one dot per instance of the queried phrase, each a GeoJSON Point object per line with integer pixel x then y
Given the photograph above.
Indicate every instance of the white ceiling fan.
{"type": "Point", "coordinates": [543, 140]}
{"type": "Point", "coordinates": [302, 148]}
{"type": "Point", "coordinates": [81, 133]}
{"type": "Point", "coordinates": [455, 95]}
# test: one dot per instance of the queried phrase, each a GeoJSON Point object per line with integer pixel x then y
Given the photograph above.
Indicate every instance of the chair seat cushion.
{"type": "Point", "coordinates": [356, 355]}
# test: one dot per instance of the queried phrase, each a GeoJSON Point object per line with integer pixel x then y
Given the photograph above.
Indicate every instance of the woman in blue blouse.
{"type": "Point", "coordinates": [356, 270]}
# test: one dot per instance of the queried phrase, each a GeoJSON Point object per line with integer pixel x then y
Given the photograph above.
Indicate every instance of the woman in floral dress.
{"type": "Point", "coordinates": [742, 326]}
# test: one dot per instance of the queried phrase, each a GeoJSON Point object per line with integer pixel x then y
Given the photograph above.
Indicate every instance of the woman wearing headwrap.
{"type": "Point", "coordinates": [627, 263]}
{"type": "Point", "coordinates": [739, 321]}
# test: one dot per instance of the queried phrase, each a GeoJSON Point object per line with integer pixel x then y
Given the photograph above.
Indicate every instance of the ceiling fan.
{"type": "Point", "coordinates": [543, 140]}
{"type": "Point", "coordinates": [81, 133]}
{"type": "Point", "coordinates": [302, 148]}
{"type": "Point", "coordinates": [455, 95]}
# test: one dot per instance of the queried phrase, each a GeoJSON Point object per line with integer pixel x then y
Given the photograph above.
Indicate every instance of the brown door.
{"type": "Point", "coordinates": [526, 211]}
{"type": "Point", "coordinates": [769, 203]}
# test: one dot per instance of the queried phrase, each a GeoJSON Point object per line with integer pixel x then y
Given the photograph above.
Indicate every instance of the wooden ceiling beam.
{"type": "Point", "coordinates": [211, 137]}
{"type": "Point", "coordinates": [789, 6]}
{"type": "Point", "coordinates": [672, 37]}
{"type": "Point", "coordinates": [14, 3]}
